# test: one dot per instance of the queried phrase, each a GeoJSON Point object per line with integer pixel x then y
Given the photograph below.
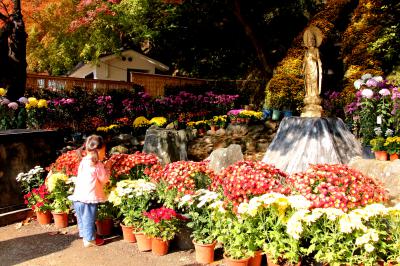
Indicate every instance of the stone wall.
{"type": "Point", "coordinates": [20, 151]}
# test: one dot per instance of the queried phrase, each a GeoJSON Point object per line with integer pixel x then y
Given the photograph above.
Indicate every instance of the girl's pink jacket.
{"type": "Point", "coordinates": [90, 182]}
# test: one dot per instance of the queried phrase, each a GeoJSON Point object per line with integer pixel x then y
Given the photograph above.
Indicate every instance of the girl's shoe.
{"type": "Point", "coordinates": [96, 242]}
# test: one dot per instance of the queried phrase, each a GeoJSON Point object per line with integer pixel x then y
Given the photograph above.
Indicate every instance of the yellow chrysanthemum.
{"type": "Point", "coordinates": [140, 121]}
{"type": "Point", "coordinates": [3, 92]}
{"type": "Point", "coordinates": [52, 180]}
{"type": "Point", "coordinates": [102, 129]}
{"type": "Point", "coordinates": [251, 114]}
{"type": "Point", "coordinates": [33, 102]}
{"type": "Point", "coordinates": [158, 121]}
{"type": "Point", "coordinates": [42, 103]}
{"type": "Point", "coordinates": [282, 204]}
{"type": "Point", "coordinates": [108, 128]}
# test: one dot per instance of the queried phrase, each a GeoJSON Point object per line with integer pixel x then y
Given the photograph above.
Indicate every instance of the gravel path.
{"type": "Point", "coordinates": [35, 244]}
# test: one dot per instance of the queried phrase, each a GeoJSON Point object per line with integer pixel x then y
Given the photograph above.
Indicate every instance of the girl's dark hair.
{"type": "Point", "coordinates": [92, 144]}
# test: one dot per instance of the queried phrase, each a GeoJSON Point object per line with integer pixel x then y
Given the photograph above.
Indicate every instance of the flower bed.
{"type": "Point", "coordinates": [246, 179]}
{"type": "Point", "coordinates": [336, 186]}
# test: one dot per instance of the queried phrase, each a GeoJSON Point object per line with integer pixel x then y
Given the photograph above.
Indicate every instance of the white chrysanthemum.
{"type": "Point", "coordinates": [185, 199]}
{"type": "Point", "coordinates": [366, 76]}
{"type": "Point", "coordinates": [218, 205]}
{"type": "Point", "coordinates": [299, 202]}
{"type": "Point", "coordinates": [19, 177]}
{"type": "Point", "coordinates": [294, 225]}
{"type": "Point", "coordinates": [358, 83]}
{"type": "Point", "coordinates": [270, 198]}
{"type": "Point", "coordinates": [333, 213]}
{"type": "Point", "coordinates": [369, 248]}
{"type": "Point", "coordinates": [351, 221]}
{"type": "Point", "coordinates": [378, 78]}
{"type": "Point", "coordinates": [243, 208]}
{"type": "Point", "coordinates": [253, 207]}
{"type": "Point", "coordinates": [313, 216]}
{"type": "Point", "coordinates": [375, 209]}
{"type": "Point", "coordinates": [361, 240]}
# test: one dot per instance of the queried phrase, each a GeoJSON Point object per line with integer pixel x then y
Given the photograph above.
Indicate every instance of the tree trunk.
{"type": "Point", "coordinates": [13, 54]}
{"type": "Point", "coordinates": [262, 57]}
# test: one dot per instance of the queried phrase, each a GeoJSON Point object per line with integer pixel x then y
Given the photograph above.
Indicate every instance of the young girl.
{"type": "Point", "coordinates": [92, 176]}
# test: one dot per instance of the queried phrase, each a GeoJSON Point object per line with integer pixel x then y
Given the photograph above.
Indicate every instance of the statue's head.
{"type": "Point", "coordinates": [312, 37]}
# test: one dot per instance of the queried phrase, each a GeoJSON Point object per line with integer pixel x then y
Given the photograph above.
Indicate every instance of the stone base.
{"type": "Point", "coordinates": [312, 107]}
{"type": "Point", "coordinates": [386, 172]}
{"type": "Point", "coordinates": [302, 141]}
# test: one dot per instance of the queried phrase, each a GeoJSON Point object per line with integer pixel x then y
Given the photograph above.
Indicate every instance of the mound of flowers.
{"type": "Point", "coordinates": [131, 164]}
{"type": "Point", "coordinates": [179, 178]}
{"type": "Point", "coordinates": [337, 186]}
{"type": "Point", "coordinates": [246, 179]}
{"type": "Point", "coordinates": [67, 163]}
{"type": "Point", "coordinates": [185, 176]}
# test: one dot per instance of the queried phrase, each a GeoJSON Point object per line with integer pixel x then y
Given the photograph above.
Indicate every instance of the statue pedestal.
{"type": "Point", "coordinates": [301, 141]}
{"type": "Point", "coordinates": [312, 107]}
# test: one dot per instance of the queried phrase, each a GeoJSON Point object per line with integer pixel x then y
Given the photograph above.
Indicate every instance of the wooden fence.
{"type": "Point", "coordinates": [35, 81]}
{"type": "Point", "coordinates": [153, 84]}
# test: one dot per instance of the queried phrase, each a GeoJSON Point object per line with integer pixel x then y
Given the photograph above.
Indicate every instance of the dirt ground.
{"type": "Point", "coordinates": [33, 244]}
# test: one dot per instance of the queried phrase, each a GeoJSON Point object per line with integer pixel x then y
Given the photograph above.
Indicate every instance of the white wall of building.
{"type": "Point", "coordinates": [116, 67]}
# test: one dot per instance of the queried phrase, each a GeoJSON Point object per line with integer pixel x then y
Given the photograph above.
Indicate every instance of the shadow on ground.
{"type": "Point", "coordinates": [21, 249]}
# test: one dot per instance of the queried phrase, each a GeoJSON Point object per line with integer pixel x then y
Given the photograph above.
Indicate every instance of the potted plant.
{"type": "Point", "coordinates": [393, 245]}
{"type": "Point", "coordinates": [161, 225]}
{"type": "Point", "coordinates": [132, 198]}
{"type": "Point", "coordinates": [197, 209]}
{"type": "Point", "coordinates": [59, 186]}
{"type": "Point", "coordinates": [378, 146]}
{"type": "Point", "coordinates": [31, 179]}
{"type": "Point", "coordinates": [36, 195]}
{"type": "Point", "coordinates": [230, 231]}
{"type": "Point", "coordinates": [104, 218]}
{"type": "Point", "coordinates": [392, 146]}
{"type": "Point", "coordinates": [38, 201]}
{"type": "Point", "coordinates": [233, 115]}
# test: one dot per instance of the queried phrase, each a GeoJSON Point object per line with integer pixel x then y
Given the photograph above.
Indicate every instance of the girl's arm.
{"type": "Point", "coordinates": [103, 176]}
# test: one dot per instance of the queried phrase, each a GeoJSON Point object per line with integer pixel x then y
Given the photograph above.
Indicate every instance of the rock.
{"type": "Point", "coordinates": [223, 157]}
{"type": "Point", "coordinates": [386, 172]}
{"type": "Point", "coordinates": [126, 138]}
{"type": "Point", "coordinates": [301, 141]}
{"type": "Point", "coordinates": [119, 149]}
{"type": "Point", "coordinates": [169, 145]}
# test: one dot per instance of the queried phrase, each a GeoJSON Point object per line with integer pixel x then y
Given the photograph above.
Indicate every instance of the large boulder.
{"type": "Point", "coordinates": [168, 144]}
{"type": "Point", "coordinates": [385, 171]}
{"type": "Point", "coordinates": [223, 157]}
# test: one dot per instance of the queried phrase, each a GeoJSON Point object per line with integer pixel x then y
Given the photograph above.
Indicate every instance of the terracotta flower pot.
{"type": "Point", "coordinates": [236, 262]}
{"type": "Point", "coordinates": [143, 241]}
{"type": "Point", "coordinates": [127, 232]}
{"type": "Point", "coordinates": [381, 155]}
{"type": "Point", "coordinates": [104, 227]}
{"type": "Point", "coordinates": [204, 252]}
{"type": "Point", "coordinates": [394, 156]}
{"type": "Point", "coordinates": [159, 247]}
{"type": "Point", "coordinates": [60, 219]}
{"type": "Point", "coordinates": [43, 217]}
{"type": "Point", "coordinates": [256, 259]}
